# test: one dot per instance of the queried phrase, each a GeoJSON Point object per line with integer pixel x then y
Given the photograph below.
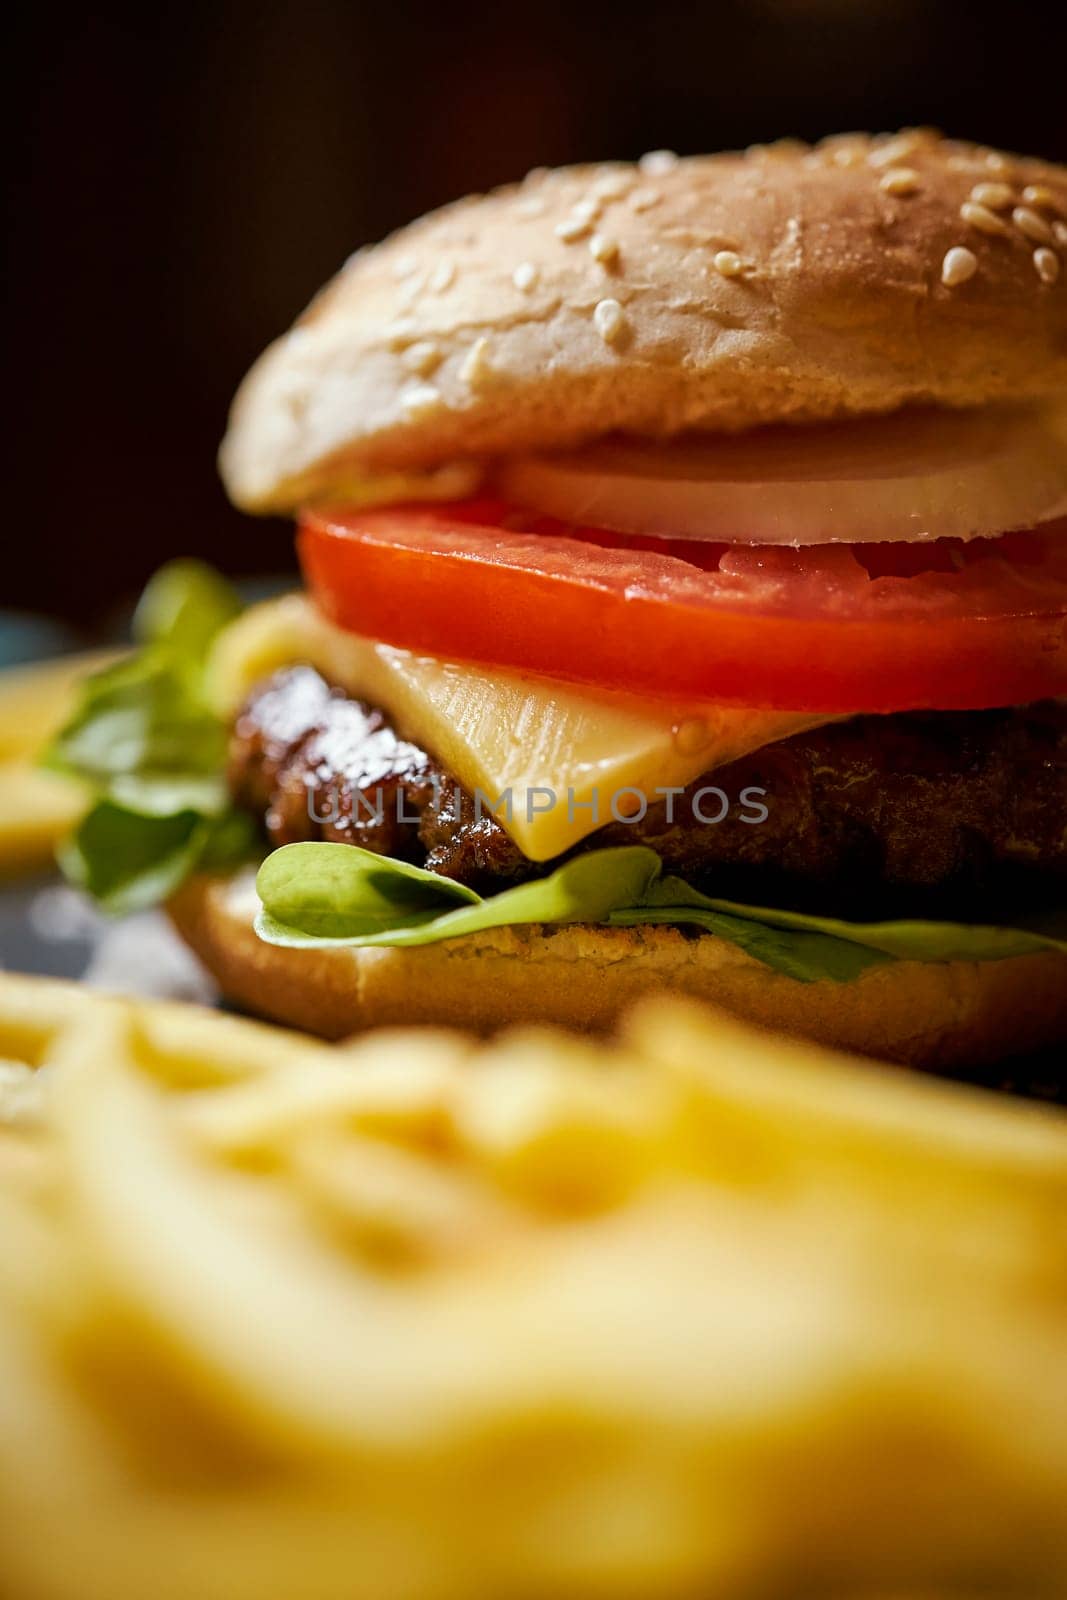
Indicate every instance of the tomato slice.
{"type": "Point", "coordinates": [834, 628]}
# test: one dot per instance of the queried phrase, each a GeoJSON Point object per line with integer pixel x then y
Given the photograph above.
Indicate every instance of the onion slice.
{"type": "Point", "coordinates": [909, 476]}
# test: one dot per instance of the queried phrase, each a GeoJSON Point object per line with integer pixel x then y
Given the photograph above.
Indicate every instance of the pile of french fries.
{"type": "Point", "coordinates": [696, 1314]}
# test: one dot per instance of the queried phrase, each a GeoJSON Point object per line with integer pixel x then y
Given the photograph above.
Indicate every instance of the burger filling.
{"type": "Point", "coordinates": [804, 689]}
{"type": "Point", "coordinates": [913, 813]}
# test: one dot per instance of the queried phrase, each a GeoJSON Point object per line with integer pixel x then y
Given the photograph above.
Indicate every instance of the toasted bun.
{"type": "Point", "coordinates": [928, 1014]}
{"type": "Point", "coordinates": [594, 299]}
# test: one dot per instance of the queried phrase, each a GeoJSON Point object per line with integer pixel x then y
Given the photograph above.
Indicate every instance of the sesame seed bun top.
{"type": "Point", "coordinates": [788, 283]}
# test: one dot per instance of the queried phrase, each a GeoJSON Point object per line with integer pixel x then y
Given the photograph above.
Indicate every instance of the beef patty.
{"type": "Point", "coordinates": [945, 813]}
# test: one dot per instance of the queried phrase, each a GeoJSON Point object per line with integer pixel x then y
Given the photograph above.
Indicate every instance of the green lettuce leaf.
{"type": "Point", "coordinates": [317, 896]}
{"type": "Point", "coordinates": [146, 740]}
{"type": "Point", "coordinates": [337, 894]}
{"type": "Point", "coordinates": [183, 607]}
{"type": "Point", "coordinates": [907, 940]}
{"type": "Point", "coordinates": [141, 719]}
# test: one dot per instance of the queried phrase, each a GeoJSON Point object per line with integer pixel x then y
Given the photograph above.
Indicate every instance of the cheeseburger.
{"type": "Point", "coordinates": [685, 561]}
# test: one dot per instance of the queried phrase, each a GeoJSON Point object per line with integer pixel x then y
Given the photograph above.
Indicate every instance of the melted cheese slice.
{"type": "Point", "coordinates": [562, 754]}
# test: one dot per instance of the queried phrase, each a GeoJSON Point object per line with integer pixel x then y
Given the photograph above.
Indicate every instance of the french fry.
{"type": "Point", "coordinates": [35, 701]}
{"type": "Point", "coordinates": [430, 1320]}
{"type": "Point", "coordinates": [797, 1085]}
{"type": "Point", "coordinates": [36, 807]}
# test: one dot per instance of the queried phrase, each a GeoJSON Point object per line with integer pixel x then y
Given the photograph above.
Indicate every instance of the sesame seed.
{"type": "Point", "coordinates": [644, 199]}
{"type": "Point", "coordinates": [1046, 264]}
{"type": "Point", "coordinates": [421, 400]}
{"type": "Point", "coordinates": [572, 228]}
{"type": "Point", "coordinates": [603, 249]}
{"type": "Point", "coordinates": [422, 357]}
{"type": "Point", "coordinates": [476, 367]}
{"type": "Point", "coordinates": [530, 205]}
{"type": "Point", "coordinates": [410, 289]}
{"type": "Point", "coordinates": [442, 276]}
{"type": "Point", "coordinates": [525, 276]}
{"type": "Point", "coordinates": [613, 185]}
{"type": "Point", "coordinates": [846, 155]}
{"type": "Point", "coordinates": [404, 266]}
{"type": "Point", "coordinates": [398, 333]}
{"type": "Point", "coordinates": [784, 149]}
{"type": "Point", "coordinates": [728, 263]}
{"type": "Point", "coordinates": [995, 196]}
{"type": "Point", "coordinates": [959, 265]}
{"type": "Point", "coordinates": [657, 162]}
{"type": "Point", "coordinates": [1059, 230]}
{"type": "Point", "coordinates": [1037, 194]}
{"type": "Point", "coordinates": [887, 155]}
{"type": "Point", "coordinates": [900, 181]}
{"type": "Point", "coordinates": [984, 220]}
{"type": "Point", "coordinates": [609, 320]}
{"type": "Point", "coordinates": [996, 162]}
{"type": "Point", "coordinates": [1032, 224]}
{"type": "Point", "coordinates": [587, 210]}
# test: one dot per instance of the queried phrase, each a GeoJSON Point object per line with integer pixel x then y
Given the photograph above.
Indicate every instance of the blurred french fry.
{"type": "Point", "coordinates": [803, 1090]}
{"type": "Point", "coordinates": [396, 1207]}
{"type": "Point", "coordinates": [546, 1117]}
{"type": "Point", "coordinates": [427, 1320]}
{"type": "Point", "coordinates": [383, 1085]}
{"type": "Point", "coordinates": [35, 701]}
{"type": "Point", "coordinates": [36, 807]}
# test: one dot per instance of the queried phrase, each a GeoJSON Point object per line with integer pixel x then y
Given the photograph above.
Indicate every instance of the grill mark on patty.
{"type": "Point", "coordinates": [926, 813]}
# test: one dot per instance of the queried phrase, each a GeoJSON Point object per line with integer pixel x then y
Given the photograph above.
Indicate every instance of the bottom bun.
{"type": "Point", "coordinates": [926, 1014]}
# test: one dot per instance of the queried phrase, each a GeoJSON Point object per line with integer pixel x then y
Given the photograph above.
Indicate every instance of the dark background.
{"type": "Point", "coordinates": [181, 179]}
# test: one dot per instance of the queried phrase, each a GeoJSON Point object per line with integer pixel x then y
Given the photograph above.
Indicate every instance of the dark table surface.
{"type": "Point", "coordinates": [49, 928]}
